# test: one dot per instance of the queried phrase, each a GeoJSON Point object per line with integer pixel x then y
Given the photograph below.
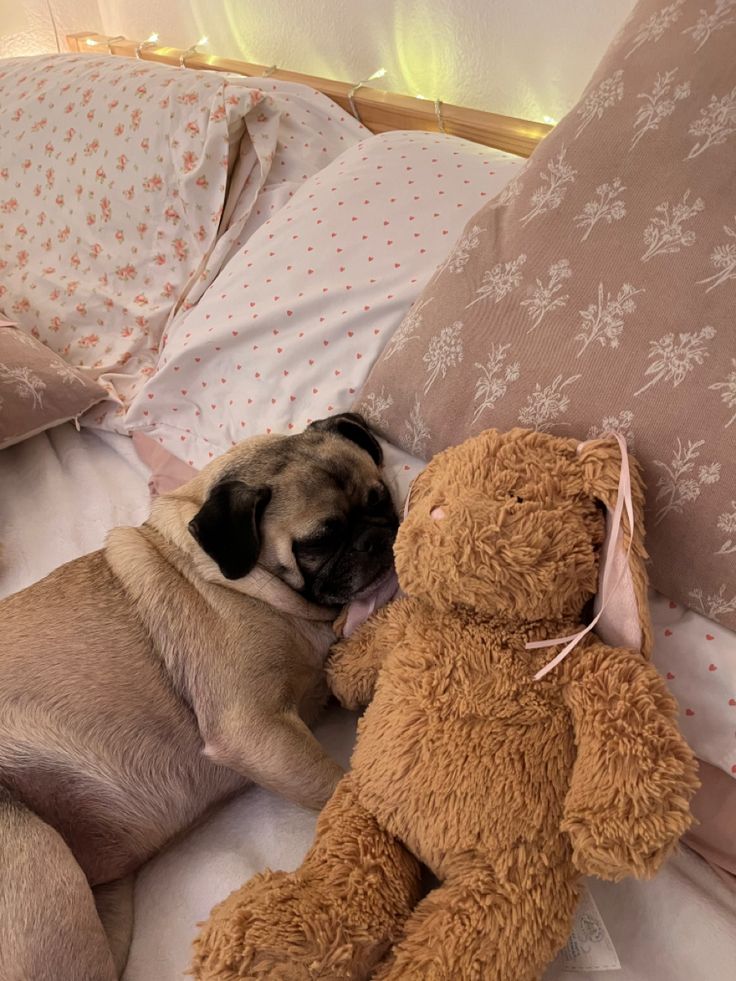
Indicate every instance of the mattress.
{"type": "Point", "coordinates": [59, 494]}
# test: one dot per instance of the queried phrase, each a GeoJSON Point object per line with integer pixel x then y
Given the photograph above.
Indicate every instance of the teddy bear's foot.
{"type": "Point", "coordinates": [282, 927]}
{"type": "Point", "coordinates": [474, 928]}
{"type": "Point", "coordinates": [332, 919]}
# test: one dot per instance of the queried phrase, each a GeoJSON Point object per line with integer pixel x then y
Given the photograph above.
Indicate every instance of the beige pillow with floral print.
{"type": "Point", "coordinates": [598, 292]}
{"type": "Point", "coordinates": [38, 389]}
{"type": "Point", "coordinates": [115, 203]}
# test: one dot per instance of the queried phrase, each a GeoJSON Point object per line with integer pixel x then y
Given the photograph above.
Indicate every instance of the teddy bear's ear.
{"type": "Point", "coordinates": [625, 620]}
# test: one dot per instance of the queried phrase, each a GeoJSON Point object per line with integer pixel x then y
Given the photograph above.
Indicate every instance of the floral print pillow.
{"type": "Point", "coordinates": [289, 330]}
{"type": "Point", "coordinates": [113, 185]}
{"type": "Point", "coordinates": [37, 389]}
{"type": "Point", "coordinates": [597, 292]}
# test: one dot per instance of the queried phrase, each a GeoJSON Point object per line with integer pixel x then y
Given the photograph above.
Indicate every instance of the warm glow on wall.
{"type": "Point", "coordinates": [15, 20]}
{"type": "Point", "coordinates": [23, 35]}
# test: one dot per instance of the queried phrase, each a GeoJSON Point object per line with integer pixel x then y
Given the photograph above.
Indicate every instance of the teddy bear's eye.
{"type": "Point", "coordinates": [515, 497]}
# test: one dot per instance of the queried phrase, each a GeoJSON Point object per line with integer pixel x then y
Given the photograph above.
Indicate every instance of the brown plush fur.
{"type": "Point", "coordinates": [507, 788]}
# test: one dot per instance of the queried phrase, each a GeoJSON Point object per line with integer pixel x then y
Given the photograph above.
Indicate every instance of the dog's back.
{"type": "Point", "coordinates": [93, 737]}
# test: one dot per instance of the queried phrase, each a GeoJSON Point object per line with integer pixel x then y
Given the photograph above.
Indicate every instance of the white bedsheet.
{"type": "Point", "coordinates": [59, 494]}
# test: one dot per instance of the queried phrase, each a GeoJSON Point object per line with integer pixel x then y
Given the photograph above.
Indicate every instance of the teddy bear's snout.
{"type": "Point", "coordinates": [437, 513]}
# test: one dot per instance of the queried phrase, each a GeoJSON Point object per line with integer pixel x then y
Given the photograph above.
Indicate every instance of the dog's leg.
{"type": "Point", "coordinates": [114, 901]}
{"type": "Point", "coordinates": [277, 751]}
{"type": "Point", "coordinates": [49, 928]}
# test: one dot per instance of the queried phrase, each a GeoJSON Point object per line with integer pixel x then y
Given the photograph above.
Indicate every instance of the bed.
{"type": "Point", "coordinates": [675, 928]}
{"type": "Point", "coordinates": [62, 490]}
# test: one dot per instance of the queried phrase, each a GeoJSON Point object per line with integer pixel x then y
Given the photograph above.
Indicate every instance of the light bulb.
{"type": "Point", "coordinates": [377, 74]}
{"type": "Point", "coordinates": [91, 42]}
{"type": "Point", "coordinates": [549, 120]}
{"type": "Point", "coordinates": [152, 38]}
{"type": "Point", "coordinates": [203, 41]}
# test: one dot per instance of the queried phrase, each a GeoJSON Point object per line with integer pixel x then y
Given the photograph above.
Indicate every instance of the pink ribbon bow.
{"type": "Point", "coordinates": [606, 591]}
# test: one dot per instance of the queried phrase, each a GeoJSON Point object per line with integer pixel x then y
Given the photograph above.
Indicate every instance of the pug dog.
{"type": "Point", "coordinates": [144, 683]}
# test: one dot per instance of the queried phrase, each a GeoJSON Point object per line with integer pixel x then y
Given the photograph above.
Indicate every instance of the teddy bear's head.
{"type": "Point", "coordinates": [512, 524]}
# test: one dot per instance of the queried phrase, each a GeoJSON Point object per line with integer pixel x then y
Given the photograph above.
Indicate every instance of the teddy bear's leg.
{"type": "Point", "coordinates": [475, 927]}
{"type": "Point", "coordinates": [334, 918]}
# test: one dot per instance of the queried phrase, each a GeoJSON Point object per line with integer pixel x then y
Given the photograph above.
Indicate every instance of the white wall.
{"type": "Point", "coordinates": [529, 58]}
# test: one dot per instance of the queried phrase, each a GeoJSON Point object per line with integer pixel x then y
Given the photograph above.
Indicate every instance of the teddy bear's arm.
{"type": "Point", "coordinates": [628, 801]}
{"type": "Point", "coordinates": [354, 663]}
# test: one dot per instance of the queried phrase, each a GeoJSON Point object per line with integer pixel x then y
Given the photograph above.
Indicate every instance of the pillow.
{"type": "Point", "coordinates": [113, 198]}
{"type": "Point", "coordinates": [313, 131]}
{"type": "Point", "coordinates": [37, 389]}
{"type": "Point", "coordinates": [597, 293]}
{"type": "Point", "coordinates": [714, 809]}
{"type": "Point", "coordinates": [167, 471]}
{"type": "Point", "coordinates": [698, 659]}
{"type": "Point", "coordinates": [290, 328]}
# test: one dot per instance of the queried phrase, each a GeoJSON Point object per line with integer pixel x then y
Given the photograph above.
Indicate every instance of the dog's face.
{"type": "Point", "coordinates": [313, 509]}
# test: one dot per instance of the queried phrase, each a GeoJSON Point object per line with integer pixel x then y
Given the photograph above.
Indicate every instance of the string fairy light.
{"type": "Point", "coordinates": [549, 120]}
{"type": "Point", "coordinates": [438, 114]}
{"type": "Point", "coordinates": [150, 42]}
{"type": "Point", "coordinates": [54, 26]}
{"type": "Point", "coordinates": [203, 41]}
{"type": "Point", "coordinates": [92, 42]}
{"type": "Point", "coordinates": [358, 85]}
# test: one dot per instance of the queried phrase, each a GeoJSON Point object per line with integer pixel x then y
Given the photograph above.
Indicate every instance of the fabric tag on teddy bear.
{"type": "Point", "coordinates": [589, 947]}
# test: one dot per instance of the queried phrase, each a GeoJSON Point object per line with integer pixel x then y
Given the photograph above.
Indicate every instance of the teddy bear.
{"type": "Point", "coordinates": [505, 776]}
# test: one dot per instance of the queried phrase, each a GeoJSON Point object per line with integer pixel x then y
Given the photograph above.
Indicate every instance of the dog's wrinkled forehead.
{"type": "Point", "coordinates": [312, 474]}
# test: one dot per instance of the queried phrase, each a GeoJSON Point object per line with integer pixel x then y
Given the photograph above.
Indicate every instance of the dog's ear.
{"type": "Point", "coordinates": [227, 526]}
{"type": "Point", "coordinates": [352, 426]}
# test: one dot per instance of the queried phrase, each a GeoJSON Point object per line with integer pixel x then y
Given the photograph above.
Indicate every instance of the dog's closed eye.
{"type": "Point", "coordinates": [377, 496]}
{"type": "Point", "coordinates": [325, 539]}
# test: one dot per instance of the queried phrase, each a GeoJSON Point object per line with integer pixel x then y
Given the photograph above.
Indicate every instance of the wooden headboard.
{"type": "Point", "coordinates": [379, 111]}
